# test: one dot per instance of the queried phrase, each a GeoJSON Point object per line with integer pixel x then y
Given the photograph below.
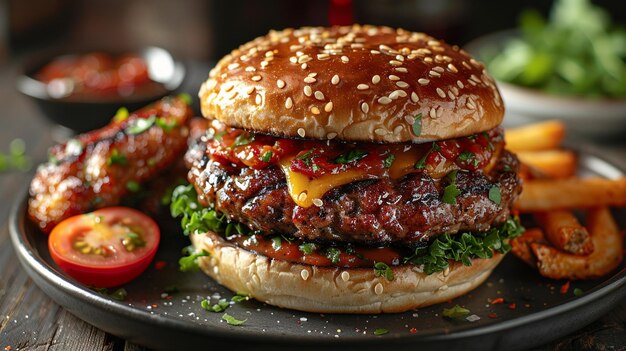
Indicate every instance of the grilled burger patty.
{"type": "Point", "coordinates": [373, 212]}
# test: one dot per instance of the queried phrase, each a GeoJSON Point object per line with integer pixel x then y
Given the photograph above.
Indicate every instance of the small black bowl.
{"type": "Point", "coordinates": [90, 113]}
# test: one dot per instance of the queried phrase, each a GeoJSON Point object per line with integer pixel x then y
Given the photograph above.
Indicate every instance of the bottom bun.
{"type": "Point", "coordinates": [334, 289]}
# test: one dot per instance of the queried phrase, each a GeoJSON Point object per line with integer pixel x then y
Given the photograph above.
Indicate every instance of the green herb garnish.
{"type": "Point", "coordinates": [578, 292]}
{"type": "Point", "coordinates": [232, 320]}
{"type": "Point", "coordinates": [307, 248]}
{"type": "Point", "coordinates": [243, 139]}
{"type": "Point", "coordinates": [466, 156]}
{"type": "Point", "coordinates": [119, 294]}
{"type": "Point", "coordinates": [166, 125]}
{"type": "Point", "coordinates": [16, 159]}
{"type": "Point", "coordinates": [185, 97]}
{"type": "Point", "coordinates": [220, 306]}
{"type": "Point", "coordinates": [276, 243]}
{"type": "Point", "coordinates": [140, 125]}
{"type": "Point", "coordinates": [266, 156]}
{"type": "Point", "coordinates": [190, 263]}
{"type": "Point", "coordinates": [380, 331]}
{"type": "Point", "coordinates": [381, 269]}
{"type": "Point", "coordinates": [333, 254]}
{"type": "Point", "coordinates": [456, 312]}
{"type": "Point", "coordinates": [389, 160]}
{"type": "Point", "coordinates": [494, 194]}
{"type": "Point", "coordinates": [121, 114]}
{"type": "Point", "coordinates": [133, 186]}
{"type": "Point", "coordinates": [116, 158]}
{"type": "Point", "coordinates": [350, 156]}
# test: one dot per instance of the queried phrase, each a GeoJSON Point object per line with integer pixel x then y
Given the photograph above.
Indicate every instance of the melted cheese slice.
{"type": "Point", "coordinates": [305, 190]}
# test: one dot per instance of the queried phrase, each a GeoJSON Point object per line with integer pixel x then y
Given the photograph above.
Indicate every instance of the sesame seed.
{"type": "Point", "coordinates": [304, 58]}
{"type": "Point", "coordinates": [434, 74]}
{"type": "Point", "coordinates": [319, 95]}
{"type": "Point", "coordinates": [394, 94]}
{"type": "Point", "coordinates": [375, 79]}
{"type": "Point", "coordinates": [414, 97]}
{"type": "Point", "coordinates": [380, 131]}
{"type": "Point", "coordinates": [312, 74]}
{"type": "Point", "coordinates": [470, 104]}
{"type": "Point", "coordinates": [423, 81]}
{"type": "Point", "coordinates": [400, 58]}
{"type": "Point", "coordinates": [315, 110]}
{"type": "Point", "coordinates": [318, 202]}
{"type": "Point", "coordinates": [409, 119]}
{"type": "Point", "coordinates": [432, 113]}
{"type": "Point", "coordinates": [280, 84]}
{"type": "Point", "coordinates": [258, 99]}
{"type": "Point", "coordinates": [378, 289]}
{"type": "Point", "coordinates": [264, 64]}
{"type": "Point", "coordinates": [335, 80]}
{"type": "Point", "coordinates": [301, 133]}
{"type": "Point", "coordinates": [394, 77]}
{"type": "Point", "coordinates": [328, 107]}
{"type": "Point", "coordinates": [345, 276]}
{"type": "Point", "coordinates": [256, 78]}
{"type": "Point", "coordinates": [401, 93]}
{"type": "Point", "coordinates": [307, 90]}
{"type": "Point", "coordinates": [452, 68]}
{"type": "Point", "coordinates": [402, 84]}
{"type": "Point", "coordinates": [441, 93]}
{"type": "Point", "coordinates": [323, 56]}
{"type": "Point", "coordinates": [362, 87]}
{"type": "Point", "coordinates": [466, 65]}
{"type": "Point", "coordinates": [250, 69]}
{"type": "Point", "coordinates": [233, 65]}
{"type": "Point", "coordinates": [288, 103]}
{"type": "Point", "coordinates": [331, 135]}
{"type": "Point", "coordinates": [451, 95]}
{"type": "Point", "coordinates": [384, 100]}
{"type": "Point", "coordinates": [475, 79]}
{"type": "Point", "coordinates": [460, 84]}
{"type": "Point", "coordinates": [438, 69]}
{"type": "Point", "coordinates": [309, 80]}
{"type": "Point", "coordinates": [304, 274]}
{"type": "Point", "coordinates": [304, 66]}
{"type": "Point", "coordinates": [443, 287]}
{"type": "Point", "coordinates": [229, 88]}
{"type": "Point", "coordinates": [345, 59]}
{"type": "Point", "coordinates": [293, 59]}
{"type": "Point", "coordinates": [401, 69]}
{"type": "Point", "coordinates": [375, 52]}
{"type": "Point", "coordinates": [250, 90]}
{"type": "Point", "coordinates": [365, 107]}
{"type": "Point", "coordinates": [395, 63]}
{"type": "Point", "coordinates": [269, 53]}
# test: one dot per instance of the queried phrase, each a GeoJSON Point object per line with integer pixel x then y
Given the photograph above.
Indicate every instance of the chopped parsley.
{"type": "Point", "coordinates": [133, 186]}
{"type": "Point", "coordinates": [266, 156]}
{"type": "Point", "coordinates": [243, 139]}
{"type": "Point", "coordinates": [276, 243]}
{"type": "Point", "coordinates": [240, 297]}
{"type": "Point", "coordinates": [466, 156]}
{"type": "Point", "coordinates": [450, 192]}
{"type": "Point", "coordinates": [307, 248]}
{"type": "Point", "coordinates": [185, 97]}
{"type": "Point", "coordinates": [381, 269]}
{"type": "Point", "coordinates": [140, 125]}
{"type": "Point", "coordinates": [389, 160]}
{"type": "Point", "coordinates": [232, 320]}
{"type": "Point", "coordinates": [456, 312]}
{"type": "Point", "coordinates": [17, 159]}
{"type": "Point", "coordinates": [220, 306]}
{"type": "Point", "coordinates": [190, 263]}
{"type": "Point", "coordinates": [494, 194]}
{"type": "Point", "coordinates": [117, 158]}
{"type": "Point", "coordinates": [417, 125]}
{"type": "Point", "coordinates": [421, 163]}
{"type": "Point", "coordinates": [333, 254]}
{"type": "Point", "coordinates": [350, 156]}
{"type": "Point", "coordinates": [380, 331]}
{"type": "Point", "coordinates": [166, 125]}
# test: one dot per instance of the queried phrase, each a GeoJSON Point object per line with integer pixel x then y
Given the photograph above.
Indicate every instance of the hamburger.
{"type": "Point", "coordinates": [355, 169]}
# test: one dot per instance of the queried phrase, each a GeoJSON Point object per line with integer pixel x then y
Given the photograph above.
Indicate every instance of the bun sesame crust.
{"type": "Point", "coordinates": [353, 83]}
{"type": "Point", "coordinates": [334, 289]}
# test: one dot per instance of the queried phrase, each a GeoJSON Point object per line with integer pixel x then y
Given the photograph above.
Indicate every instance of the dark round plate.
{"type": "Point", "coordinates": [535, 311]}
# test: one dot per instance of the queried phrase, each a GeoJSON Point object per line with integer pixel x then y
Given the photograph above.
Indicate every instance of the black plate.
{"type": "Point", "coordinates": [152, 318]}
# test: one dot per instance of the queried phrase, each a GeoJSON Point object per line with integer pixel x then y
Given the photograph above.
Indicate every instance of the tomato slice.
{"type": "Point", "coordinates": [105, 248]}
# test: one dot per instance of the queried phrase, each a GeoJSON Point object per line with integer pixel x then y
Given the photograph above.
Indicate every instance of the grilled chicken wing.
{"type": "Point", "coordinates": [98, 168]}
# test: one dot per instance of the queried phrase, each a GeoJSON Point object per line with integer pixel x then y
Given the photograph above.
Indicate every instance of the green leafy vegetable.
{"type": "Point", "coordinates": [381, 269]}
{"type": "Point", "coordinates": [450, 192]}
{"type": "Point", "coordinates": [243, 139]}
{"type": "Point", "coordinates": [190, 263]}
{"type": "Point", "coordinates": [220, 306]}
{"type": "Point", "coordinates": [266, 156]}
{"type": "Point", "coordinates": [276, 243]}
{"type": "Point", "coordinates": [232, 320]}
{"type": "Point", "coordinates": [494, 194]}
{"type": "Point", "coordinates": [133, 186]}
{"type": "Point", "coordinates": [166, 125]}
{"type": "Point", "coordinates": [240, 297]}
{"type": "Point", "coordinates": [350, 156]}
{"type": "Point", "coordinates": [417, 125]}
{"type": "Point", "coordinates": [466, 156]}
{"type": "Point", "coordinates": [16, 159]}
{"type": "Point", "coordinates": [195, 217]}
{"type": "Point", "coordinates": [140, 125]}
{"type": "Point", "coordinates": [380, 331]}
{"type": "Point", "coordinates": [185, 97]}
{"type": "Point", "coordinates": [463, 247]}
{"type": "Point", "coordinates": [456, 312]}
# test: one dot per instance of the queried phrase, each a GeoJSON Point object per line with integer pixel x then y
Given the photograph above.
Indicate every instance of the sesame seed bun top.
{"type": "Point", "coordinates": [353, 83]}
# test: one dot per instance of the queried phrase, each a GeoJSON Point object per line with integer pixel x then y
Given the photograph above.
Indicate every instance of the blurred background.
{"type": "Point", "coordinates": [206, 30]}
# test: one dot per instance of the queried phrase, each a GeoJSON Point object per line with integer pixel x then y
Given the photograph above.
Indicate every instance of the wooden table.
{"type": "Point", "coordinates": [29, 320]}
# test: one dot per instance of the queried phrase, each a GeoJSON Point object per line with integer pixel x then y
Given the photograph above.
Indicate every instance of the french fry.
{"type": "Point", "coordinates": [607, 255]}
{"type": "Point", "coordinates": [549, 194]}
{"type": "Point", "coordinates": [538, 136]}
{"type": "Point", "coordinates": [551, 163]}
{"type": "Point", "coordinates": [563, 230]}
{"type": "Point", "coordinates": [520, 246]}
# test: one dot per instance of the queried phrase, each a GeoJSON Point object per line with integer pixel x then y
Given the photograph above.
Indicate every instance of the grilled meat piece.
{"type": "Point", "coordinates": [98, 168]}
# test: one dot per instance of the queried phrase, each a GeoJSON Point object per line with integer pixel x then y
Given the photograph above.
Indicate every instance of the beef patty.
{"type": "Point", "coordinates": [408, 210]}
